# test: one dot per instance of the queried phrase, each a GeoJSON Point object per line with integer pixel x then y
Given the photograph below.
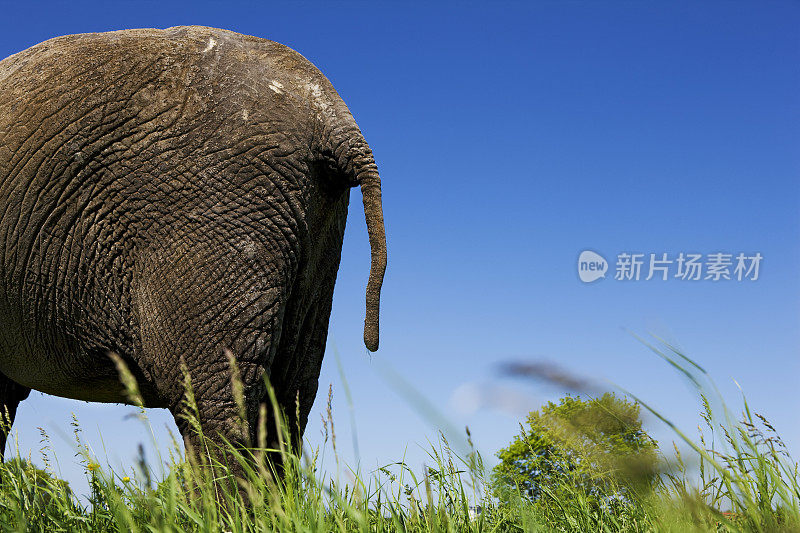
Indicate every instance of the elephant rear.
{"type": "Point", "coordinates": [174, 196]}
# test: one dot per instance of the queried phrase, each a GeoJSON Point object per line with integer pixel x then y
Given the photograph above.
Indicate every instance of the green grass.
{"type": "Point", "coordinates": [744, 481]}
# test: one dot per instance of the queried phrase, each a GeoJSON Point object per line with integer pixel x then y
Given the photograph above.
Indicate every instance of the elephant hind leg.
{"type": "Point", "coordinates": [11, 394]}
{"type": "Point", "coordinates": [197, 303]}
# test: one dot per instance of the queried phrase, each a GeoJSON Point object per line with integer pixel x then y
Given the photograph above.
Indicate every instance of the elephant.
{"type": "Point", "coordinates": [176, 197]}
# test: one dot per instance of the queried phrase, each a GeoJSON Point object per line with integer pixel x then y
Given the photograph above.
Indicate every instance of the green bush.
{"type": "Point", "coordinates": [596, 445]}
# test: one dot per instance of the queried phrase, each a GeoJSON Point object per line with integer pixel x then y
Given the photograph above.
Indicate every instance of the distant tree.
{"type": "Point", "coordinates": [594, 447]}
{"type": "Point", "coordinates": [38, 494]}
{"type": "Point", "coordinates": [20, 468]}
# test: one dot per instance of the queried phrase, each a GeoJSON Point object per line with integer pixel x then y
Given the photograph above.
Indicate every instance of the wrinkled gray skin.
{"type": "Point", "coordinates": [168, 195]}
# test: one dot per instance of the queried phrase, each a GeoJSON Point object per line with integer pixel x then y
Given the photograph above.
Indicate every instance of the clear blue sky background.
{"type": "Point", "coordinates": [509, 138]}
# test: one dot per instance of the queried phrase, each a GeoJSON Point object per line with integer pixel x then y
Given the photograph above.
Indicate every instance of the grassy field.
{"type": "Point", "coordinates": [741, 479]}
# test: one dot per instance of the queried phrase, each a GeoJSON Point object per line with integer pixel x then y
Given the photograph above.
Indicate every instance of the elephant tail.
{"type": "Point", "coordinates": [370, 182]}
{"type": "Point", "coordinates": [352, 155]}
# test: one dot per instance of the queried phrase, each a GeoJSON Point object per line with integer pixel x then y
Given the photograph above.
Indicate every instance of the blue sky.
{"type": "Point", "coordinates": [510, 138]}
